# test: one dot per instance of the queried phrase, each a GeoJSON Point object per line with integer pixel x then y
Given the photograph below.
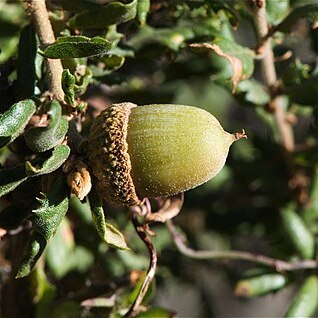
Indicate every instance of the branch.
{"type": "Point", "coordinates": [141, 230]}
{"type": "Point", "coordinates": [279, 265]}
{"type": "Point", "coordinates": [46, 35]}
{"type": "Point", "coordinates": [270, 75]}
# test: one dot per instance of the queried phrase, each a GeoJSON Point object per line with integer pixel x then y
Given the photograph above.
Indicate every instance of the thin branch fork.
{"type": "Point", "coordinates": [270, 75]}
{"type": "Point", "coordinates": [279, 265]}
{"type": "Point", "coordinates": [141, 230]}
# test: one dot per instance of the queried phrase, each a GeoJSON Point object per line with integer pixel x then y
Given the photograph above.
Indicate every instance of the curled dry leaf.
{"type": "Point", "coordinates": [236, 63]}
{"type": "Point", "coordinates": [79, 180]}
{"type": "Point", "coordinates": [170, 208]}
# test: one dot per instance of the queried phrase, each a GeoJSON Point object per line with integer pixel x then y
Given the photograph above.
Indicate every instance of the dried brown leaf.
{"type": "Point", "coordinates": [236, 63]}
{"type": "Point", "coordinates": [80, 180]}
{"type": "Point", "coordinates": [170, 208]}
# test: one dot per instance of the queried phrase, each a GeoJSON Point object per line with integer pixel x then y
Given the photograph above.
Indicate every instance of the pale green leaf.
{"type": "Point", "coordinates": [40, 139]}
{"type": "Point", "coordinates": [58, 157]}
{"type": "Point", "coordinates": [46, 220]}
{"type": "Point", "coordinates": [77, 47]}
{"type": "Point", "coordinates": [106, 231]}
{"type": "Point", "coordinates": [143, 8]}
{"type": "Point", "coordinates": [297, 232]}
{"type": "Point", "coordinates": [109, 14]}
{"type": "Point", "coordinates": [14, 120]}
{"type": "Point", "coordinates": [68, 86]}
{"type": "Point", "coordinates": [12, 177]}
{"type": "Point", "coordinates": [63, 256]}
{"type": "Point", "coordinates": [305, 302]}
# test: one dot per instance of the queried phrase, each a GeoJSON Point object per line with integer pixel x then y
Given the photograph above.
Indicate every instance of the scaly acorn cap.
{"type": "Point", "coordinates": [155, 150]}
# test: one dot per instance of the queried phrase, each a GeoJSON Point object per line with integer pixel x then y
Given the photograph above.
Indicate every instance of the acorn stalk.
{"type": "Point", "coordinates": [155, 150]}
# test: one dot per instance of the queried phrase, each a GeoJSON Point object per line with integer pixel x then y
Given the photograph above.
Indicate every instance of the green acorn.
{"type": "Point", "coordinates": [155, 150]}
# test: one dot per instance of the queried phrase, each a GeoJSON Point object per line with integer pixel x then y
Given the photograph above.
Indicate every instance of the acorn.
{"type": "Point", "coordinates": [155, 150]}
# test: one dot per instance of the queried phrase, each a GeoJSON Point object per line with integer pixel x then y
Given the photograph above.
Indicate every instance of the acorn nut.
{"type": "Point", "coordinates": [155, 150]}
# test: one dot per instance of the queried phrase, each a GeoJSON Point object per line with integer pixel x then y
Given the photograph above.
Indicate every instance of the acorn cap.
{"type": "Point", "coordinates": [108, 156]}
{"type": "Point", "coordinates": [155, 150]}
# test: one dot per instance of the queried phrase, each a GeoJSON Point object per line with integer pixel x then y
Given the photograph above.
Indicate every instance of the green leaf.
{"type": "Point", "coordinates": [113, 62]}
{"type": "Point", "coordinates": [26, 68]}
{"type": "Point", "coordinates": [46, 220]}
{"type": "Point", "coordinates": [260, 285]}
{"type": "Point", "coordinates": [172, 38]}
{"type": "Point", "coordinates": [76, 47]}
{"type": "Point", "coordinates": [227, 9]}
{"type": "Point", "coordinates": [252, 92]}
{"type": "Point", "coordinates": [41, 139]}
{"type": "Point", "coordinates": [310, 213]}
{"type": "Point", "coordinates": [45, 293]}
{"type": "Point", "coordinates": [14, 120]}
{"type": "Point", "coordinates": [309, 11]}
{"type": "Point", "coordinates": [106, 231]}
{"type": "Point", "coordinates": [63, 256]}
{"type": "Point", "coordinates": [81, 259]}
{"type": "Point", "coordinates": [34, 250]}
{"type": "Point", "coordinates": [143, 7]}
{"type": "Point", "coordinates": [12, 177]}
{"type": "Point", "coordinates": [276, 10]}
{"type": "Point", "coordinates": [52, 209]}
{"type": "Point", "coordinates": [68, 86]}
{"type": "Point", "coordinates": [109, 14]}
{"type": "Point", "coordinates": [305, 302]}
{"type": "Point", "coordinates": [12, 18]}
{"type": "Point", "coordinates": [58, 157]}
{"type": "Point", "coordinates": [157, 312]}
{"type": "Point", "coordinates": [240, 59]}
{"type": "Point", "coordinates": [297, 232]}
{"type": "Point", "coordinates": [82, 81]}
{"type": "Point", "coordinates": [296, 73]}
{"type": "Point", "coordinates": [81, 210]}
{"type": "Point", "coordinates": [244, 54]}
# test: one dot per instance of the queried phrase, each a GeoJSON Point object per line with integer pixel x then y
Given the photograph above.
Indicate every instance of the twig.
{"type": "Point", "coordinates": [277, 264]}
{"type": "Point", "coordinates": [270, 75]}
{"type": "Point", "coordinates": [140, 229]}
{"type": "Point", "coordinates": [45, 32]}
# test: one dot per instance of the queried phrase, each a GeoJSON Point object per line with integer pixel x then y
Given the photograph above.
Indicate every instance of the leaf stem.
{"type": "Point", "coordinates": [279, 265]}
{"type": "Point", "coordinates": [270, 75]}
{"type": "Point", "coordinates": [141, 231]}
{"type": "Point", "coordinates": [46, 35]}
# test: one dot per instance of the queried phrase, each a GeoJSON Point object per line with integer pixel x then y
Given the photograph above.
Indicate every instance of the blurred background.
{"type": "Point", "coordinates": [239, 209]}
